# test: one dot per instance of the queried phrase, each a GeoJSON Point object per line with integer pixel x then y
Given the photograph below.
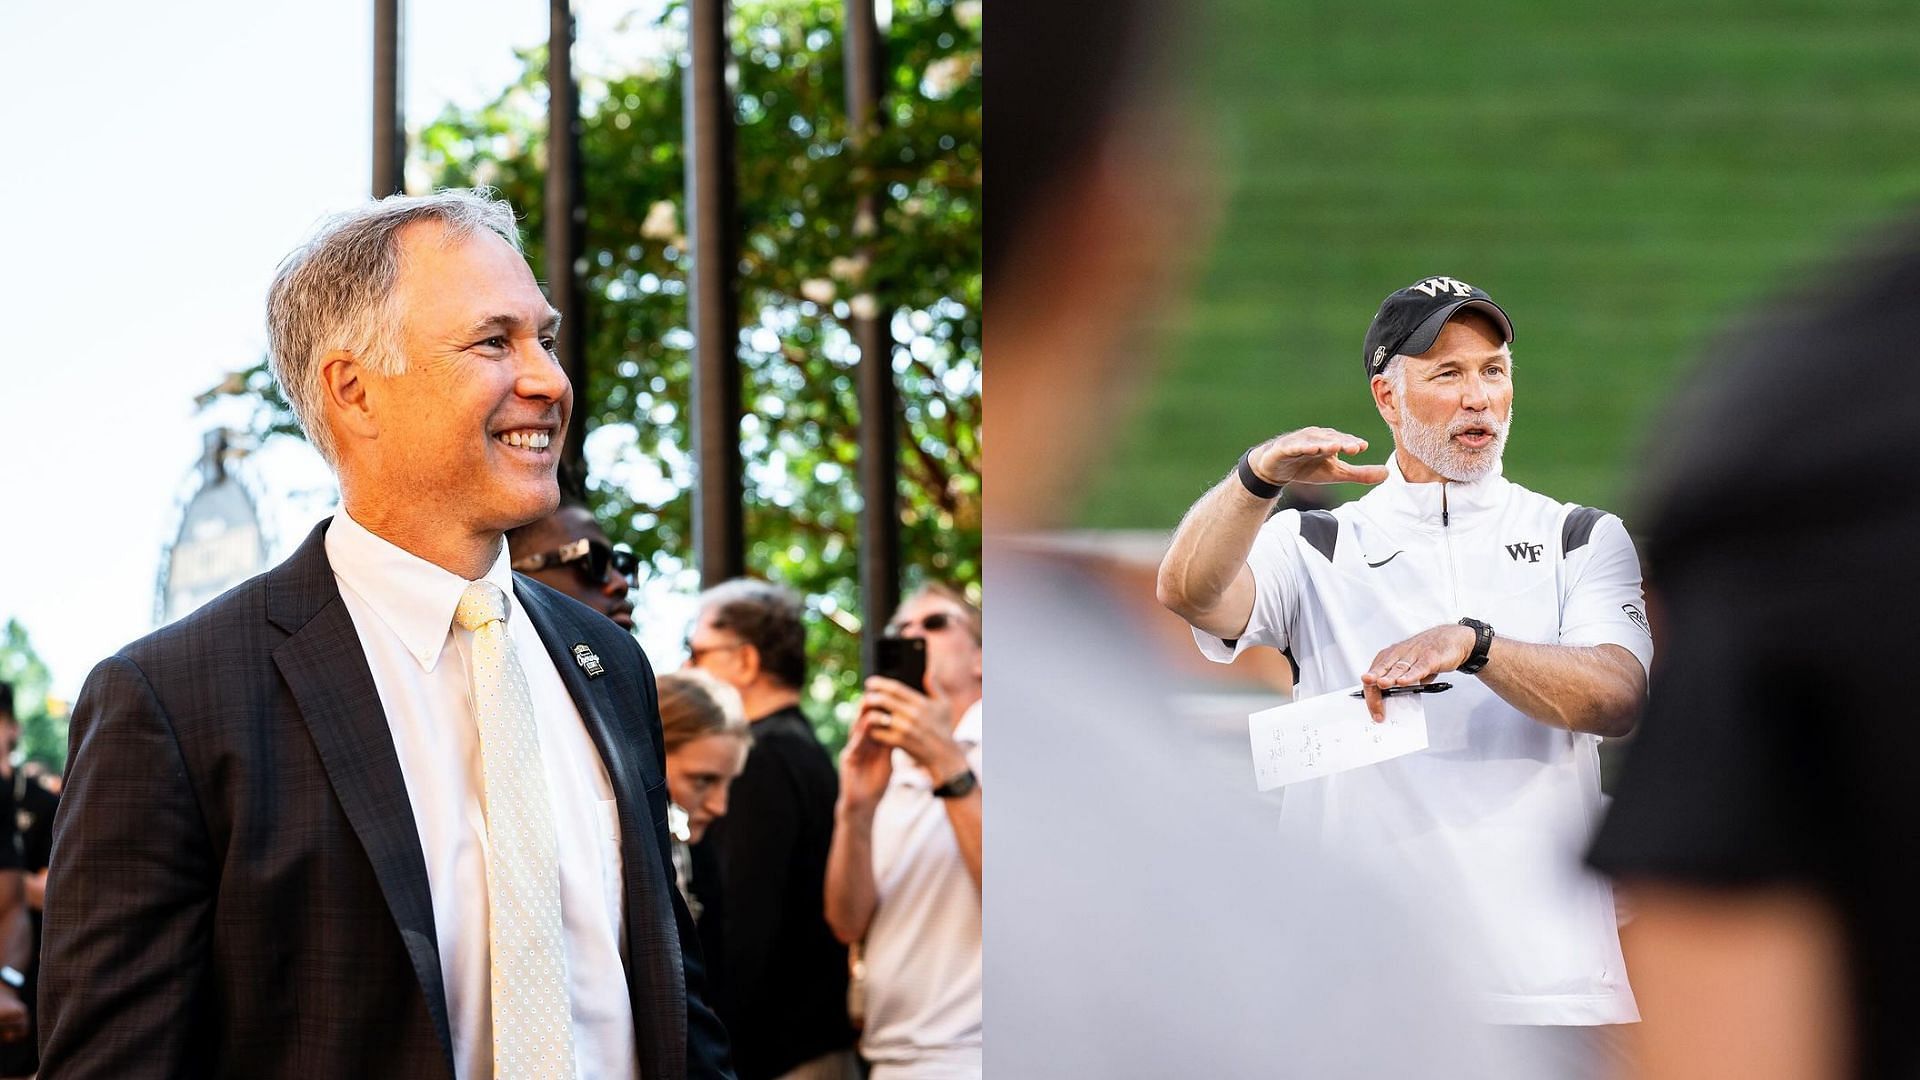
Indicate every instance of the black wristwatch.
{"type": "Point", "coordinates": [1482, 641]}
{"type": "Point", "coordinates": [959, 787]}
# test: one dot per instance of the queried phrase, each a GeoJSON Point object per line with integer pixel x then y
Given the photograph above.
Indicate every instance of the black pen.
{"type": "Point", "coordinates": [1395, 691]}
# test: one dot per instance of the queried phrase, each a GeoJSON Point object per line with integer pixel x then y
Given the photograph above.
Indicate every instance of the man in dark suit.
{"type": "Point", "coordinates": [388, 810]}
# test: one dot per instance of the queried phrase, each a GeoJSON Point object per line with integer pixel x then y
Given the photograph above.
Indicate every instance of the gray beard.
{"type": "Point", "coordinates": [1433, 446]}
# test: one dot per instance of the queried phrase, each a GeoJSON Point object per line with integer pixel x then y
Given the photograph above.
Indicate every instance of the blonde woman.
{"type": "Point", "coordinates": [704, 728]}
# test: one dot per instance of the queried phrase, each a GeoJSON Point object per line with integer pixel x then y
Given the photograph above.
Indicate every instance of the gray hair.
{"type": "Point", "coordinates": [334, 291]}
{"type": "Point", "coordinates": [769, 617]}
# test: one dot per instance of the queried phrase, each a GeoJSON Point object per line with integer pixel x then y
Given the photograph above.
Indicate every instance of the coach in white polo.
{"type": "Point", "coordinates": [1531, 608]}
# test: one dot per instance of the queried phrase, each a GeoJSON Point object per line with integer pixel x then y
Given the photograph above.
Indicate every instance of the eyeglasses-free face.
{"type": "Point", "coordinates": [588, 558]}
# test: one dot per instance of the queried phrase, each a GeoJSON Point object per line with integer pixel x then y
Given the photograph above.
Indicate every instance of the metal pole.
{"type": "Point", "coordinates": [879, 397]}
{"type": "Point", "coordinates": [566, 216]}
{"type": "Point", "coordinates": [389, 130]}
{"type": "Point", "coordinates": [719, 520]}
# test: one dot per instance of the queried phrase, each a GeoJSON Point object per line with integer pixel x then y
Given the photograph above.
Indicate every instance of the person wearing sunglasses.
{"type": "Point", "coordinates": [903, 876]}
{"type": "Point", "coordinates": [568, 551]}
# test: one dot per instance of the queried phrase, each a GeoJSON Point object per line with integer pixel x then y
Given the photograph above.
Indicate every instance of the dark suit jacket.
{"type": "Point", "coordinates": [238, 889]}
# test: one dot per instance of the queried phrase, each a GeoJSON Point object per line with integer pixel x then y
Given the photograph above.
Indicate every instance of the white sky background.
{"type": "Point", "coordinates": [161, 160]}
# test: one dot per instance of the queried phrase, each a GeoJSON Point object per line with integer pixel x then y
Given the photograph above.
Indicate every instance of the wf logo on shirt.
{"type": "Point", "coordinates": [1436, 286]}
{"type": "Point", "coordinates": [1530, 551]}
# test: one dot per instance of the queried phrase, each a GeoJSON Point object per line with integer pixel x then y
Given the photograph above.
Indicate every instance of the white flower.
{"type": "Point", "coordinates": [818, 290]}
{"type": "Point", "coordinates": [946, 75]}
{"type": "Point", "coordinates": [662, 223]}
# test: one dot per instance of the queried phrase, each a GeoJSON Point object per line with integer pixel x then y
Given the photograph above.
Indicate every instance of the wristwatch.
{"type": "Point", "coordinates": [959, 787]}
{"type": "Point", "coordinates": [1482, 641]}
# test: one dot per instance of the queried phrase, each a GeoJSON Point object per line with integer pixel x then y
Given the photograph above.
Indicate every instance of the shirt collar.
{"type": "Point", "coordinates": [1464, 500]}
{"type": "Point", "coordinates": [413, 597]}
{"type": "Point", "coordinates": [967, 731]}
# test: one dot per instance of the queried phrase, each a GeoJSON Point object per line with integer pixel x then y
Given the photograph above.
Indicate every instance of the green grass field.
{"type": "Point", "coordinates": [1622, 177]}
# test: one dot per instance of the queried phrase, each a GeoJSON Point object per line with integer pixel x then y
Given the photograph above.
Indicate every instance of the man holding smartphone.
{"type": "Point", "coordinates": [903, 875]}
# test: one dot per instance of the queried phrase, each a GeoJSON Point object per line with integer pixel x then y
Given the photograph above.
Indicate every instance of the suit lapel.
{"type": "Point", "coordinates": [326, 669]}
{"type": "Point", "coordinates": [655, 977]}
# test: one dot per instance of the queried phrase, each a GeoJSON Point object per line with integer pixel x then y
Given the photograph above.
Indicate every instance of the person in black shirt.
{"type": "Point", "coordinates": [786, 973]}
{"type": "Point", "coordinates": [1765, 820]}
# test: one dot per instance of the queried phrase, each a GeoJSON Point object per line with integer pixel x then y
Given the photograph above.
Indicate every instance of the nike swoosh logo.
{"type": "Point", "coordinates": [1388, 559]}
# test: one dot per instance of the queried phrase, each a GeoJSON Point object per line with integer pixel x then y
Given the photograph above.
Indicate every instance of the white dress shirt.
{"type": "Point", "coordinates": [402, 608]}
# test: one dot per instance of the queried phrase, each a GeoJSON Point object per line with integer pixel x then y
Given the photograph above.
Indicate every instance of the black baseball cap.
{"type": "Point", "coordinates": [1409, 321]}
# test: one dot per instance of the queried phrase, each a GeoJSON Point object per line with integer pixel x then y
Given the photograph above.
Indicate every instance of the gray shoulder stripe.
{"type": "Point", "coordinates": [1320, 529]}
{"type": "Point", "coordinates": [1578, 528]}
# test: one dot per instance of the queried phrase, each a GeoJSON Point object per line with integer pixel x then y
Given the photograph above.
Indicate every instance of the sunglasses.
{"type": "Point", "coordinates": [932, 624]}
{"type": "Point", "coordinates": [589, 558]}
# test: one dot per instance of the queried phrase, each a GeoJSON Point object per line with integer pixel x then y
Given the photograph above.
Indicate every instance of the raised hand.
{"type": "Point", "coordinates": [1312, 456]}
{"type": "Point", "coordinates": [916, 723]}
{"type": "Point", "coordinates": [866, 766]}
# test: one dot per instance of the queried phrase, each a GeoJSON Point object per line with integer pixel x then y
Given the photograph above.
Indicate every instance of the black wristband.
{"type": "Point", "coordinates": [958, 787]}
{"type": "Point", "coordinates": [1261, 488]}
{"type": "Point", "coordinates": [1482, 641]}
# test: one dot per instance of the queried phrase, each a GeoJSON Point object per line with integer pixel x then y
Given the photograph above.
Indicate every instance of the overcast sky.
{"type": "Point", "coordinates": [161, 160]}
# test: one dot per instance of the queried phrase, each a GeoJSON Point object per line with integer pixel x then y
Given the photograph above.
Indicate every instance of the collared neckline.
{"type": "Point", "coordinates": [413, 597]}
{"type": "Point", "coordinates": [1465, 501]}
{"type": "Point", "coordinates": [968, 729]}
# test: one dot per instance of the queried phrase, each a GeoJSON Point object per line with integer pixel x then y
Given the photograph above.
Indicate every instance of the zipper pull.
{"type": "Point", "coordinates": [1443, 504]}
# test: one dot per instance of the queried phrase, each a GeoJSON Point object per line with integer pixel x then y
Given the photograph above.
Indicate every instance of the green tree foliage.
{"type": "Point", "coordinates": [43, 723]}
{"type": "Point", "coordinates": [807, 265]}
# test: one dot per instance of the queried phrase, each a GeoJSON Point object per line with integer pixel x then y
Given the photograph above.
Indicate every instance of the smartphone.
{"type": "Point", "coordinates": [903, 660]}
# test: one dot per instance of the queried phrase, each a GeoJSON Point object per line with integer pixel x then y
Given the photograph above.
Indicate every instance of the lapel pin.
{"type": "Point", "coordinates": [588, 662]}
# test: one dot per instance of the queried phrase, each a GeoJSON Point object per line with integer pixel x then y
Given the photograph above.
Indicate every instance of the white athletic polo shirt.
{"type": "Point", "coordinates": [1488, 824]}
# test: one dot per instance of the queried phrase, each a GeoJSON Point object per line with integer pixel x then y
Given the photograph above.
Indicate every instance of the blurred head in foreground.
{"type": "Point", "coordinates": [1765, 824]}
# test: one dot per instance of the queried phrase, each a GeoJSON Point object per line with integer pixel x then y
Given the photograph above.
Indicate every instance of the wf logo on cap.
{"type": "Point", "coordinates": [1437, 285]}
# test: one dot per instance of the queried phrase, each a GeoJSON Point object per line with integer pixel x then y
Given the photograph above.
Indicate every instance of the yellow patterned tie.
{"type": "Point", "coordinates": [532, 1019]}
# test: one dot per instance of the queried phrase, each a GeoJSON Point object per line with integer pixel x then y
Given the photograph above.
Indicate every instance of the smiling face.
{"type": "Point", "coordinates": [1452, 406]}
{"type": "Point", "coordinates": [467, 437]}
{"type": "Point", "coordinates": [699, 773]}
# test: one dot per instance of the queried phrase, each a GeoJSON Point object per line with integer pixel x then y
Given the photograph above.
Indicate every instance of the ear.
{"type": "Point", "coordinates": [343, 382]}
{"type": "Point", "coordinates": [1383, 400]}
{"type": "Point", "coordinates": [749, 654]}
